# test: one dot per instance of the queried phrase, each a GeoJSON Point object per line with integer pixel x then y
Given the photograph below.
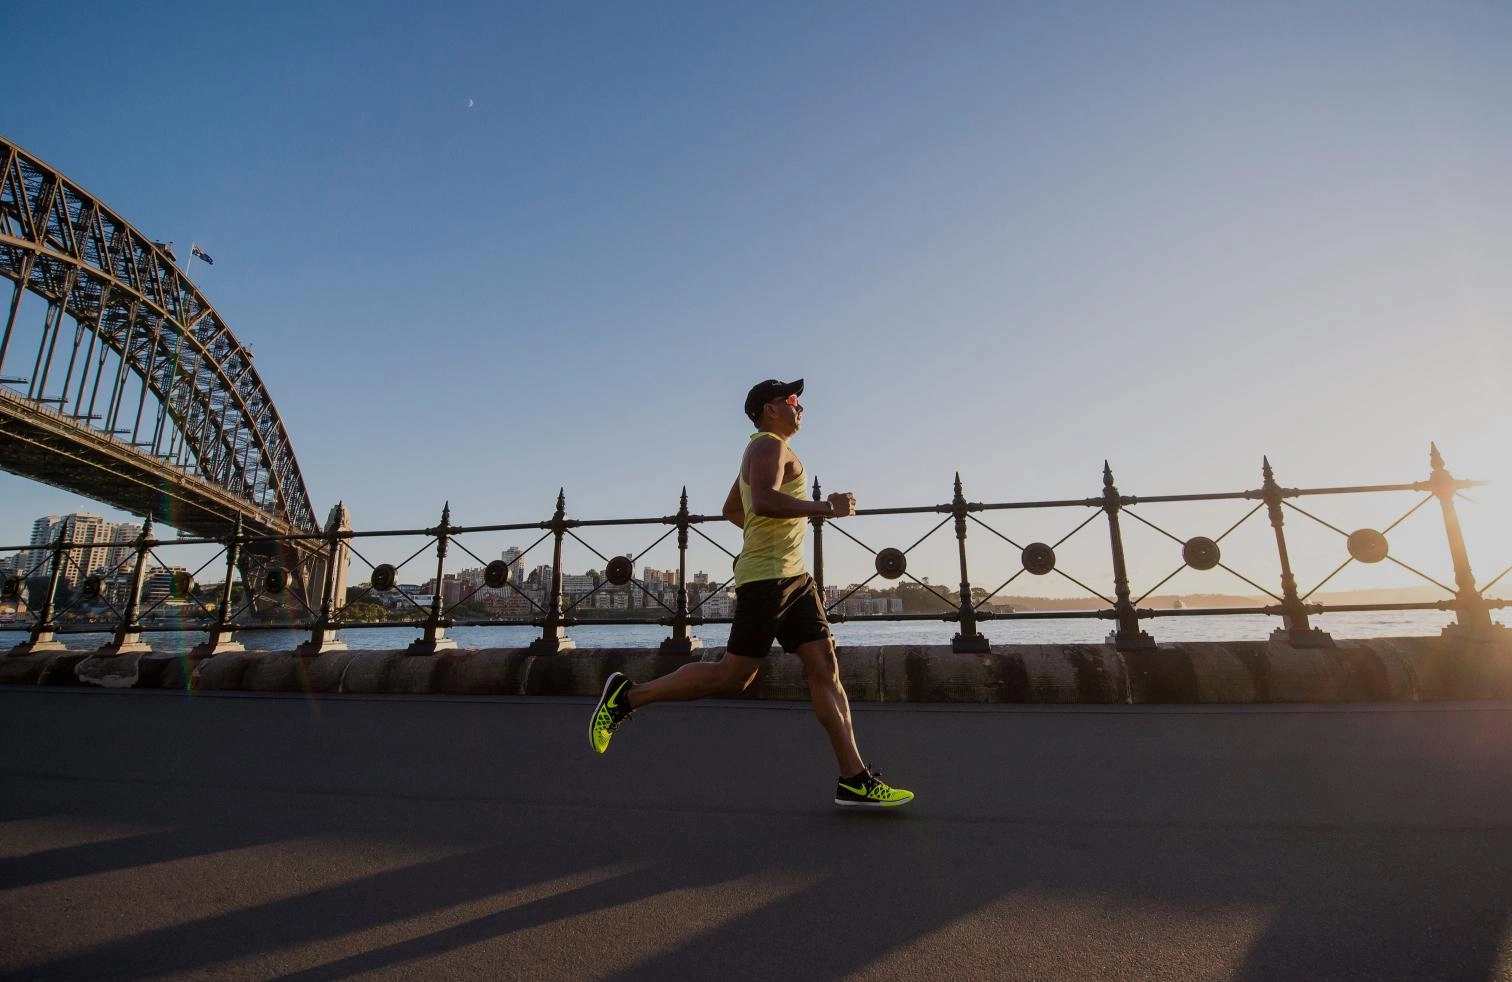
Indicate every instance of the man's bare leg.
{"type": "Point", "coordinates": [830, 703]}
{"type": "Point", "coordinates": [697, 680]}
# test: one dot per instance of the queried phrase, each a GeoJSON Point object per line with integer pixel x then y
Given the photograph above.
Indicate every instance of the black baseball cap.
{"type": "Point", "coordinates": [764, 392]}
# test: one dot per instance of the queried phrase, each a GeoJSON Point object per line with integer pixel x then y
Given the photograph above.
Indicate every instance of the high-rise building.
{"type": "Point", "coordinates": [44, 533]}
{"type": "Point", "coordinates": [515, 557]}
{"type": "Point", "coordinates": [119, 554]}
{"type": "Point", "coordinates": [91, 546]}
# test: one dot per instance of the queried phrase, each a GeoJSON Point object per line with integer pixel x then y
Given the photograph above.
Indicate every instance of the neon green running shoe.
{"type": "Point", "coordinates": [867, 790]}
{"type": "Point", "coordinates": [612, 710]}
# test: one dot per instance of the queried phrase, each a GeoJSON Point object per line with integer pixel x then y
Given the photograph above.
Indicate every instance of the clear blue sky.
{"type": "Point", "coordinates": [1007, 239]}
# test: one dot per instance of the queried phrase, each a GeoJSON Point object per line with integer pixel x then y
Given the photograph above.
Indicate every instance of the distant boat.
{"type": "Point", "coordinates": [1177, 604]}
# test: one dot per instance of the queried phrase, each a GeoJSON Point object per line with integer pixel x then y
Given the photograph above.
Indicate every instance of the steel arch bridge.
{"type": "Point", "coordinates": [155, 407]}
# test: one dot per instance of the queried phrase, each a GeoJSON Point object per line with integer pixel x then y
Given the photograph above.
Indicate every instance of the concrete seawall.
{"type": "Point", "coordinates": [1378, 670]}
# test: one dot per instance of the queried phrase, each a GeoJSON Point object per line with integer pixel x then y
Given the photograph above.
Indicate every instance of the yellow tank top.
{"type": "Point", "coordinates": [773, 547]}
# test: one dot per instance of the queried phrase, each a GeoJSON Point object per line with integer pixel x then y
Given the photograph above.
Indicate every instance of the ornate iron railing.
{"type": "Point", "coordinates": [554, 611]}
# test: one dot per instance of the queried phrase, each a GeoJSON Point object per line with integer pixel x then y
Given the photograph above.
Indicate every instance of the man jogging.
{"type": "Point", "coordinates": [775, 598]}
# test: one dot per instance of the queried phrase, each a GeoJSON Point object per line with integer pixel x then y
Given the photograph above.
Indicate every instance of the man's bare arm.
{"type": "Point", "coordinates": [733, 509]}
{"type": "Point", "coordinates": [767, 500]}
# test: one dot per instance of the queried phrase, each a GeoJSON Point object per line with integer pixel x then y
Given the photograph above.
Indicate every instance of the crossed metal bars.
{"type": "Point", "coordinates": [267, 581]}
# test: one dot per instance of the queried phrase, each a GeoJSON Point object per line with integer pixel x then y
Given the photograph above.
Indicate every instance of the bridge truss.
{"type": "Point", "coordinates": [154, 399]}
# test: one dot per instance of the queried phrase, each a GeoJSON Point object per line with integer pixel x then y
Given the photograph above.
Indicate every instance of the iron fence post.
{"type": "Point", "coordinates": [323, 634]}
{"type": "Point", "coordinates": [435, 638]}
{"type": "Point", "coordinates": [221, 637]}
{"type": "Point", "coordinates": [969, 639]}
{"type": "Point", "coordinates": [43, 633]}
{"type": "Point", "coordinates": [1471, 614]}
{"type": "Point", "coordinates": [1128, 634]}
{"type": "Point", "coordinates": [681, 643]}
{"type": "Point", "coordinates": [553, 637]}
{"type": "Point", "coordinates": [128, 634]}
{"type": "Point", "coordinates": [817, 522]}
{"type": "Point", "coordinates": [1294, 626]}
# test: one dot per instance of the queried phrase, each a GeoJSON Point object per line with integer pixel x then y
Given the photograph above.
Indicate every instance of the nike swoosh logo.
{"type": "Point", "coordinates": [859, 791]}
{"type": "Point", "coordinates": [612, 703]}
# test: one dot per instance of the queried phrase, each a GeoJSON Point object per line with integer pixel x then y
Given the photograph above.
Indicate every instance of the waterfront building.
{"type": "Point", "coordinates": [718, 604]}
{"type": "Point", "coordinates": [158, 588]}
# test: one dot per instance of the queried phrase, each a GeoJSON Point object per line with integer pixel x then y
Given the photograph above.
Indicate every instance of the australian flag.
{"type": "Point", "coordinates": [201, 255]}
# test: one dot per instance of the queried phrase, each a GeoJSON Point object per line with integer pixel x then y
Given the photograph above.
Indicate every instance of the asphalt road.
{"type": "Point", "coordinates": [160, 835]}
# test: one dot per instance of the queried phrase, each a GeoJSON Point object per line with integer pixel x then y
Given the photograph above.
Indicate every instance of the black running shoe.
{"type": "Point", "coordinates": [612, 710]}
{"type": "Point", "coordinates": [867, 790]}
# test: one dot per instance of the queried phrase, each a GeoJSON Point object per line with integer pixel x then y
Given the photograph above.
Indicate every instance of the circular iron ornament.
{"type": "Point", "coordinates": [1200, 552]}
{"type": "Point", "coordinates": [179, 585]}
{"type": "Point", "coordinates": [384, 577]}
{"type": "Point", "coordinates": [496, 574]}
{"type": "Point", "coordinates": [93, 587]}
{"type": "Point", "coordinates": [619, 571]}
{"type": "Point", "coordinates": [1038, 558]}
{"type": "Point", "coordinates": [275, 580]}
{"type": "Point", "coordinates": [11, 590]}
{"type": "Point", "coordinates": [1367, 545]}
{"type": "Point", "coordinates": [891, 563]}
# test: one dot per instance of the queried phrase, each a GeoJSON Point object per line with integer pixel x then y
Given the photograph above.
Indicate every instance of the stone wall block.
{"type": "Point", "coordinates": [370, 671]}
{"type": "Point", "coordinates": [1319, 675]}
{"type": "Point", "coordinates": [27, 669]}
{"type": "Point", "coordinates": [223, 672]}
{"type": "Point", "coordinates": [274, 671]}
{"type": "Point", "coordinates": [1074, 673]}
{"type": "Point", "coordinates": [1161, 675]}
{"type": "Point", "coordinates": [1222, 675]}
{"type": "Point", "coordinates": [424, 674]}
{"type": "Point", "coordinates": [929, 673]}
{"type": "Point", "coordinates": [110, 671]}
{"type": "Point", "coordinates": [163, 670]}
{"type": "Point", "coordinates": [492, 672]}
{"type": "Point", "coordinates": [1456, 669]}
{"type": "Point", "coordinates": [327, 672]}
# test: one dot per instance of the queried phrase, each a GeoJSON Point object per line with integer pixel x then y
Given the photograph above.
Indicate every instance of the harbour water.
{"type": "Point", "coordinates": [1238, 627]}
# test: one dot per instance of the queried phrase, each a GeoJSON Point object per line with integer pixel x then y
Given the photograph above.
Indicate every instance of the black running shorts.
{"type": "Point", "coordinates": [787, 610]}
